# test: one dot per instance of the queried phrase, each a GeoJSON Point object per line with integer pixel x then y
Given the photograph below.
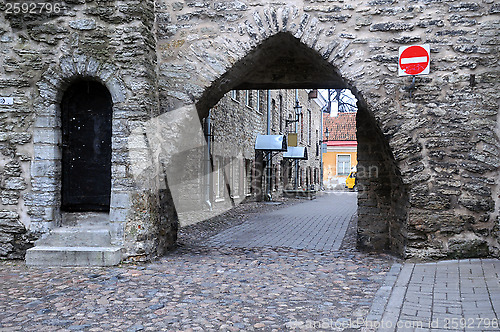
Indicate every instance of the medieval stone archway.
{"type": "Point", "coordinates": [283, 61]}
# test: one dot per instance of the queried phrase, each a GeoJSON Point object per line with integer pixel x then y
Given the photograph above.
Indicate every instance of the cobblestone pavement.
{"type": "Point", "coordinates": [202, 287]}
{"type": "Point", "coordinates": [197, 288]}
{"type": "Point", "coordinates": [459, 295]}
{"type": "Point", "coordinates": [206, 290]}
{"type": "Point", "coordinates": [319, 224]}
{"type": "Point", "coordinates": [197, 234]}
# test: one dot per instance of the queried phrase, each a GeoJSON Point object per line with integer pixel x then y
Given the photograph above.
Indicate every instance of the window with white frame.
{"type": "Point", "coordinates": [257, 101]}
{"type": "Point", "coordinates": [248, 177]}
{"type": "Point", "coordinates": [248, 98]}
{"type": "Point", "coordinates": [235, 95]}
{"type": "Point", "coordinates": [280, 98]}
{"type": "Point", "coordinates": [235, 178]}
{"type": "Point", "coordinates": [219, 178]}
{"type": "Point", "coordinates": [309, 124]}
{"type": "Point", "coordinates": [343, 164]}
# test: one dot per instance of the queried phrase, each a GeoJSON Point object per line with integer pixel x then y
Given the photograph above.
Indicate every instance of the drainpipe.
{"type": "Point", "coordinates": [208, 164]}
{"type": "Point", "coordinates": [321, 172]}
{"type": "Point", "coordinates": [297, 117]}
{"type": "Point", "coordinates": [268, 162]}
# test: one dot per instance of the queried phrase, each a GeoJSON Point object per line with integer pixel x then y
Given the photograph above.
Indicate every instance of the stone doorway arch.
{"type": "Point", "coordinates": [283, 61]}
{"type": "Point", "coordinates": [45, 200]}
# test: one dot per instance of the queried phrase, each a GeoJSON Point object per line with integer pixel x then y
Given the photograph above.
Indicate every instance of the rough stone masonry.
{"type": "Point", "coordinates": [430, 186]}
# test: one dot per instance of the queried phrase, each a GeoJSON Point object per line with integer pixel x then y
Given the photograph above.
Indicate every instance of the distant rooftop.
{"type": "Point", "coordinates": [341, 127]}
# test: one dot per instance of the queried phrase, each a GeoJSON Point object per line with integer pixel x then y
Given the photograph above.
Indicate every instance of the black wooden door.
{"type": "Point", "coordinates": [86, 154]}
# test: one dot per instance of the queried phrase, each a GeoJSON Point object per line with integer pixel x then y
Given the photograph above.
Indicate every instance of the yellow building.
{"type": "Point", "coordinates": [342, 149]}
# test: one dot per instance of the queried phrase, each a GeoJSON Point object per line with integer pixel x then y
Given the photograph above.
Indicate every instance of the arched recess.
{"type": "Point", "coordinates": [284, 62]}
{"type": "Point", "coordinates": [44, 201]}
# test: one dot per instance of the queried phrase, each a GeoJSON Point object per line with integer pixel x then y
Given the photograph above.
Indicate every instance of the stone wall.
{"type": "Point", "coordinates": [42, 54]}
{"type": "Point", "coordinates": [437, 192]}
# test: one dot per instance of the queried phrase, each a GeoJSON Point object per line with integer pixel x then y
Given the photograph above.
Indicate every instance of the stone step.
{"type": "Point", "coordinates": [85, 218]}
{"type": "Point", "coordinates": [89, 236]}
{"type": "Point", "coordinates": [73, 256]}
{"type": "Point", "coordinates": [84, 240]}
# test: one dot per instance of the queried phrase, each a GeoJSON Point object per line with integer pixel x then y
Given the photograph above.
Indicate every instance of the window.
{"type": "Point", "coordinates": [242, 180]}
{"type": "Point", "coordinates": [235, 95]}
{"type": "Point", "coordinates": [248, 177]}
{"type": "Point", "coordinates": [219, 178]}
{"type": "Point", "coordinates": [317, 144]}
{"type": "Point", "coordinates": [235, 178]}
{"type": "Point", "coordinates": [248, 98]}
{"type": "Point", "coordinates": [301, 127]}
{"type": "Point", "coordinates": [281, 113]}
{"type": "Point", "coordinates": [343, 164]}
{"type": "Point", "coordinates": [309, 123]}
{"type": "Point", "coordinates": [257, 101]}
{"type": "Point", "coordinates": [276, 177]}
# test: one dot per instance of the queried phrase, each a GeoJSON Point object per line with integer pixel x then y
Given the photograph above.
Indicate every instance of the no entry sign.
{"type": "Point", "coordinates": [414, 60]}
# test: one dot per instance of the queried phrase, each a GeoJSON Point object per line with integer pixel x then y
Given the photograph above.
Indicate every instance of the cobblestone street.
{"type": "Point", "coordinates": [253, 284]}
{"type": "Point", "coordinates": [197, 288]}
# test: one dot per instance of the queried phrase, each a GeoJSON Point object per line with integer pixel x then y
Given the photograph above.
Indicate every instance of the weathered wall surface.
{"type": "Point", "coordinates": [42, 53]}
{"type": "Point", "coordinates": [437, 189]}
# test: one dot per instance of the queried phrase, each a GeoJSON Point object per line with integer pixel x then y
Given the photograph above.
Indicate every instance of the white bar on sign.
{"type": "Point", "coordinates": [416, 59]}
{"type": "Point", "coordinates": [6, 100]}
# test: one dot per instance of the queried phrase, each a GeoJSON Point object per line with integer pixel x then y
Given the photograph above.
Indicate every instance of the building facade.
{"type": "Point", "coordinates": [233, 171]}
{"type": "Point", "coordinates": [341, 148]}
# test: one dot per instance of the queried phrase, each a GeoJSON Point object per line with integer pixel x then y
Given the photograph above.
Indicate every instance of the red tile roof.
{"type": "Point", "coordinates": [343, 143]}
{"type": "Point", "coordinates": [341, 127]}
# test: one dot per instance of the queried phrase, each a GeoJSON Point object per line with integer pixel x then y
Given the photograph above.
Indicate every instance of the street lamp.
{"type": "Point", "coordinates": [298, 110]}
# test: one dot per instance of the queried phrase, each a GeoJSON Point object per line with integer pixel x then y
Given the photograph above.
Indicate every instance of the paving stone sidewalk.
{"type": "Point", "coordinates": [457, 295]}
{"type": "Point", "coordinates": [319, 224]}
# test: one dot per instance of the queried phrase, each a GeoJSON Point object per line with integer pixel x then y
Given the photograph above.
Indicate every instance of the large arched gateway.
{"type": "Point", "coordinates": [283, 61]}
{"type": "Point", "coordinates": [436, 192]}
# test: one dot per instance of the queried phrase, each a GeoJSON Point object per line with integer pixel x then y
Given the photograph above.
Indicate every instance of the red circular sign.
{"type": "Point", "coordinates": [414, 60]}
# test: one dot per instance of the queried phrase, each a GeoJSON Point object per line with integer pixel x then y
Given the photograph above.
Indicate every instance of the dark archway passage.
{"type": "Point", "coordinates": [283, 62]}
{"type": "Point", "coordinates": [86, 111]}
